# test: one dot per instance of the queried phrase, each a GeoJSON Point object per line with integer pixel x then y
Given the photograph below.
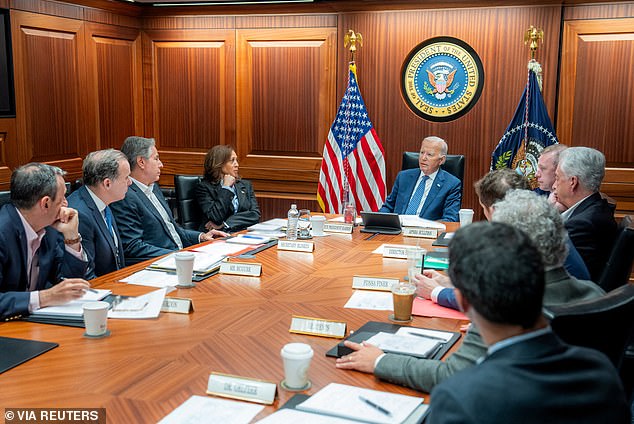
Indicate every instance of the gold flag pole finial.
{"type": "Point", "coordinates": [351, 39]}
{"type": "Point", "coordinates": [533, 35]}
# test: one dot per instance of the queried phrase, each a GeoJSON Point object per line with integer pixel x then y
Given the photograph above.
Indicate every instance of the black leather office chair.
{"type": "Point", "coordinates": [619, 267]}
{"type": "Point", "coordinates": [189, 214]}
{"type": "Point", "coordinates": [604, 324]}
{"type": "Point", "coordinates": [454, 164]}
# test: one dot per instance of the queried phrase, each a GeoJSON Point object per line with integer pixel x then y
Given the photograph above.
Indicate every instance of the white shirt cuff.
{"type": "Point", "coordinates": [376, 362]}
{"type": "Point", "coordinates": [435, 292]}
{"type": "Point", "coordinates": [34, 301]}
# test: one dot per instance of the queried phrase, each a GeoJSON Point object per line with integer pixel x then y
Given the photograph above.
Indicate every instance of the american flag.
{"type": "Point", "coordinates": [353, 158]}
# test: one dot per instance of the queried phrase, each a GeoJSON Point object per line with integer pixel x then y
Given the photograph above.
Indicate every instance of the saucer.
{"type": "Point", "coordinates": [301, 389]}
{"type": "Point", "coordinates": [101, 336]}
{"type": "Point", "coordinates": [391, 318]}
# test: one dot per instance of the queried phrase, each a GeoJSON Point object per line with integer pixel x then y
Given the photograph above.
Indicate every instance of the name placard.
{"type": "Point", "coordinates": [338, 228]}
{"type": "Point", "coordinates": [373, 283]}
{"type": "Point", "coordinates": [318, 327]}
{"type": "Point", "coordinates": [295, 245]}
{"type": "Point", "coordinates": [420, 232]}
{"type": "Point", "coordinates": [177, 305]}
{"type": "Point", "coordinates": [250, 269]}
{"type": "Point", "coordinates": [394, 251]}
{"type": "Point", "coordinates": [243, 388]}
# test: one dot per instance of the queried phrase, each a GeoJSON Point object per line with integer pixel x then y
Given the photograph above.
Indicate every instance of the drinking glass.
{"type": "Point", "coordinates": [303, 225]}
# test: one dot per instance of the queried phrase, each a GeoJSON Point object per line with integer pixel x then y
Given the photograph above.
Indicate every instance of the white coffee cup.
{"type": "Point", "coordinates": [466, 216]}
{"type": "Point", "coordinates": [96, 318]}
{"type": "Point", "coordinates": [296, 358]}
{"type": "Point", "coordinates": [318, 224]}
{"type": "Point", "coordinates": [184, 268]}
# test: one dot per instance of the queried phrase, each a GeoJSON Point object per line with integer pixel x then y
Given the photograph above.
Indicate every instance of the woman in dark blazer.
{"type": "Point", "coordinates": [227, 202]}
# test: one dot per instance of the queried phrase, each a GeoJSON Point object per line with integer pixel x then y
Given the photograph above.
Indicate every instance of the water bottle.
{"type": "Point", "coordinates": [291, 226]}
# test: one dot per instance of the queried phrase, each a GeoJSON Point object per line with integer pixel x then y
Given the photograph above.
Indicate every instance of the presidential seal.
{"type": "Point", "coordinates": [441, 79]}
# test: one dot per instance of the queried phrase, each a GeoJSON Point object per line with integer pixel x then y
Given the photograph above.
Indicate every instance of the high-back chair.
{"type": "Point", "coordinates": [454, 164]}
{"type": "Point", "coordinates": [189, 214]}
{"type": "Point", "coordinates": [618, 269]}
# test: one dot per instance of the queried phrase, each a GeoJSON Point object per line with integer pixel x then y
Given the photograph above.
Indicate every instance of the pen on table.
{"type": "Point", "coordinates": [372, 236]}
{"type": "Point", "coordinates": [427, 337]}
{"type": "Point", "coordinates": [375, 406]}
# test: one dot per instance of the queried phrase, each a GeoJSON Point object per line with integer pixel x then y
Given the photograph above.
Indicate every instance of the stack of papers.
{"type": "Point", "coordinates": [74, 307]}
{"type": "Point", "coordinates": [204, 263]}
{"type": "Point", "coordinates": [250, 239]}
{"type": "Point", "coordinates": [416, 221]}
{"type": "Point", "coordinates": [407, 343]}
{"type": "Point", "coordinates": [272, 228]}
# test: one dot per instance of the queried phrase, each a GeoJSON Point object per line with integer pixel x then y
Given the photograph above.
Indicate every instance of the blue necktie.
{"type": "Point", "coordinates": [108, 215]}
{"type": "Point", "coordinates": [414, 202]}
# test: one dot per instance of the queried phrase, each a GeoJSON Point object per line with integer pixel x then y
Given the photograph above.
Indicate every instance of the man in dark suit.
{"type": "Point", "coordinates": [529, 375]}
{"type": "Point", "coordinates": [106, 175]}
{"type": "Point", "coordinates": [146, 224]}
{"type": "Point", "coordinates": [428, 192]}
{"type": "Point", "coordinates": [40, 246]}
{"type": "Point", "coordinates": [589, 218]}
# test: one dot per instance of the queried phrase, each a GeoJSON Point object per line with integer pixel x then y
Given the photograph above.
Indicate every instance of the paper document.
{"type": "Point", "coordinates": [274, 224]}
{"type": "Point", "coordinates": [370, 299]}
{"type": "Point", "coordinates": [408, 331]}
{"type": "Point", "coordinates": [152, 278]}
{"type": "Point", "coordinates": [204, 409]}
{"type": "Point", "coordinates": [221, 248]}
{"type": "Point", "coordinates": [358, 220]}
{"type": "Point", "coordinates": [379, 249]}
{"type": "Point", "coordinates": [140, 307]}
{"type": "Point", "coordinates": [365, 405]}
{"type": "Point", "coordinates": [203, 262]}
{"type": "Point", "coordinates": [292, 416]}
{"type": "Point", "coordinates": [417, 221]}
{"type": "Point", "coordinates": [249, 239]}
{"type": "Point", "coordinates": [74, 307]}
{"type": "Point", "coordinates": [407, 343]}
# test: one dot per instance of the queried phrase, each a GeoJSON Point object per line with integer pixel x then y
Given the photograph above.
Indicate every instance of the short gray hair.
{"type": "Point", "coordinates": [587, 164]}
{"type": "Point", "coordinates": [443, 144]}
{"type": "Point", "coordinates": [100, 165]}
{"type": "Point", "coordinates": [33, 181]}
{"type": "Point", "coordinates": [533, 214]}
{"type": "Point", "coordinates": [135, 146]}
{"type": "Point", "coordinates": [554, 150]}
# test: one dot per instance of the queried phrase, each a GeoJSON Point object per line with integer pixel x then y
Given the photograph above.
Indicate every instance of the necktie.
{"type": "Point", "coordinates": [107, 213]}
{"type": "Point", "coordinates": [34, 271]}
{"type": "Point", "coordinates": [414, 202]}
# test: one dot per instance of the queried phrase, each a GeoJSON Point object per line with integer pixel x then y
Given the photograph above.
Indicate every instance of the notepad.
{"type": "Point", "coordinates": [406, 343]}
{"type": "Point", "coordinates": [72, 308]}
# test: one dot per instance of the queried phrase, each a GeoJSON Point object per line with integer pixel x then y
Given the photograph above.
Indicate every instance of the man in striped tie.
{"type": "Point", "coordinates": [106, 179]}
{"type": "Point", "coordinates": [429, 192]}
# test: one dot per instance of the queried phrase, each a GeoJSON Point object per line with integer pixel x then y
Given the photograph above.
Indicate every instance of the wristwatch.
{"type": "Point", "coordinates": [73, 241]}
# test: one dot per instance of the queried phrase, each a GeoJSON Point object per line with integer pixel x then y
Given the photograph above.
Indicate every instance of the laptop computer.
{"type": "Point", "coordinates": [380, 222]}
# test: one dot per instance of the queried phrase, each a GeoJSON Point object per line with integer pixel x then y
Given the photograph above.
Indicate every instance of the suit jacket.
{"type": "Point", "coordinates": [593, 231]}
{"type": "Point", "coordinates": [442, 202]}
{"type": "Point", "coordinates": [142, 229]}
{"type": "Point", "coordinates": [55, 263]}
{"type": "Point", "coordinates": [537, 380]}
{"type": "Point", "coordinates": [424, 374]}
{"type": "Point", "coordinates": [96, 238]}
{"type": "Point", "coordinates": [215, 203]}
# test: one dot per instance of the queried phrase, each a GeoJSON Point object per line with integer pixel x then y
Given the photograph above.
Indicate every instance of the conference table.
{"type": "Point", "coordinates": [147, 368]}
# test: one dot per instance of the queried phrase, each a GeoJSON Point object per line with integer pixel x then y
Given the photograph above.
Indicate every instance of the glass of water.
{"type": "Point", "coordinates": [303, 225]}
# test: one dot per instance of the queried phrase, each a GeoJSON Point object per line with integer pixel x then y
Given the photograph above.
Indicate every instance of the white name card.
{"type": "Point", "coordinates": [294, 245]}
{"type": "Point", "coordinates": [373, 283]}
{"type": "Point", "coordinates": [395, 251]}
{"type": "Point", "coordinates": [338, 228]}
{"type": "Point", "coordinates": [243, 388]}
{"type": "Point", "coordinates": [318, 327]}
{"type": "Point", "coordinates": [420, 232]}
{"type": "Point", "coordinates": [178, 305]}
{"type": "Point", "coordinates": [241, 268]}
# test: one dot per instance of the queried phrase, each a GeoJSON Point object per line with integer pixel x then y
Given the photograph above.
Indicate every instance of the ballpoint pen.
{"type": "Point", "coordinates": [440, 339]}
{"type": "Point", "coordinates": [375, 406]}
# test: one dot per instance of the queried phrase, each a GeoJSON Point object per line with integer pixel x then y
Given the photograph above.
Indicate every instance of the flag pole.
{"type": "Point", "coordinates": [533, 36]}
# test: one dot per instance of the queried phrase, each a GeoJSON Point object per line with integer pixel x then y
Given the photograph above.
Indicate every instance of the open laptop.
{"type": "Point", "coordinates": [380, 222]}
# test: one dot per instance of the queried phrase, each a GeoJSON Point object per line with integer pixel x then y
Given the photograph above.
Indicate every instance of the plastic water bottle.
{"type": "Point", "coordinates": [291, 226]}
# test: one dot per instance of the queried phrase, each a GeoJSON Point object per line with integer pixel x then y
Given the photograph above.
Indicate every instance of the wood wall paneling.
{"type": "Point", "coordinates": [50, 83]}
{"type": "Point", "coordinates": [113, 56]}
{"type": "Point", "coordinates": [193, 81]}
{"type": "Point", "coordinates": [7, 146]}
{"type": "Point", "coordinates": [496, 34]}
{"type": "Point", "coordinates": [599, 11]}
{"type": "Point", "coordinates": [286, 102]}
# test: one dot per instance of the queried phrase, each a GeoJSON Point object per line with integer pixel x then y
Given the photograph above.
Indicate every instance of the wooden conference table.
{"type": "Point", "coordinates": [147, 368]}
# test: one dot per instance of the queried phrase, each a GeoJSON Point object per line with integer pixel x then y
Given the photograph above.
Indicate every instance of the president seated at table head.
{"type": "Point", "coordinates": [40, 246]}
{"type": "Point", "coordinates": [145, 221]}
{"type": "Point", "coordinates": [429, 192]}
{"type": "Point", "coordinates": [528, 374]}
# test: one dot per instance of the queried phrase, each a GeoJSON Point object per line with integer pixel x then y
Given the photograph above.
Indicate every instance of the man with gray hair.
{"type": "Point", "coordinates": [145, 221]}
{"type": "Point", "coordinates": [589, 218]}
{"type": "Point", "coordinates": [40, 246]}
{"type": "Point", "coordinates": [106, 176]}
{"type": "Point", "coordinates": [429, 192]}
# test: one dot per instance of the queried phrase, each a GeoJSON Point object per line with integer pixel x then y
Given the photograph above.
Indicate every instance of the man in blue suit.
{"type": "Point", "coordinates": [40, 246]}
{"type": "Point", "coordinates": [146, 224]}
{"type": "Point", "coordinates": [428, 192]}
{"type": "Point", "coordinates": [106, 176]}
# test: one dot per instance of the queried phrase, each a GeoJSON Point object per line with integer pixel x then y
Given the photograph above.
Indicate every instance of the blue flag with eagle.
{"type": "Point", "coordinates": [529, 132]}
